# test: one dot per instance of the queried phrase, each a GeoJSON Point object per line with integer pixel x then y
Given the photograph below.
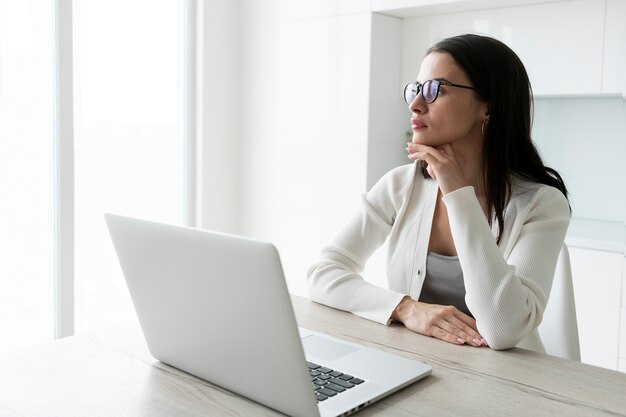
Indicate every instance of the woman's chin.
{"type": "Point", "coordinates": [424, 140]}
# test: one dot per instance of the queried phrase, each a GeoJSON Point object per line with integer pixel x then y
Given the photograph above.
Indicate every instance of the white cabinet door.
{"type": "Point", "coordinates": [308, 9]}
{"type": "Point", "coordinates": [597, 279]}
{"type": "Point", "coordinates": [560, 43]}
{"type": "Point", "coordinates": [614, 66]}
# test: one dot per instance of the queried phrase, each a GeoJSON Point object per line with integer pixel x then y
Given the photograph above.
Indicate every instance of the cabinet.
{"type": "Point", "coordinates": [614, 65]}
{"type": "Point", "coordinates": [584, 53]}
{"type": "Point", "coordinates": [597, 277]}
{"type": "Point", "coordinates": [563, 61]}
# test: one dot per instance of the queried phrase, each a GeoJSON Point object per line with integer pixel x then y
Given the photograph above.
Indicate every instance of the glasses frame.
{"type": "Point", "coordinates": [420, 88]}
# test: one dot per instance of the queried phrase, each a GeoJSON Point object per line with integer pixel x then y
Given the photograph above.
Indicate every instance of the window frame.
{"type": "Point", "coordinates": [63, 152]}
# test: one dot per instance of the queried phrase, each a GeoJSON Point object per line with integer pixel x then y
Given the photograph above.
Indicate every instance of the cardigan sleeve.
{"type": "Point", "coordinates": [508, 296]}
{"type": "Point", "coordinates": [335, 279]}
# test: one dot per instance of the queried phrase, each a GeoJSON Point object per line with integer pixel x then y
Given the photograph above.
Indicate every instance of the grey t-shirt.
{"type": "Point", "coordinates": [444, 282]}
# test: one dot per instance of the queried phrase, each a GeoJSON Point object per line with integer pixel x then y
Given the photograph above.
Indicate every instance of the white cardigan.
{"type": "Point", "coordinates": [507, 285]}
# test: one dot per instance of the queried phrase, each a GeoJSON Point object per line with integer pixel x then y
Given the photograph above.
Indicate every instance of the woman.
{"type": "Point", "coordinates": [474, 226]}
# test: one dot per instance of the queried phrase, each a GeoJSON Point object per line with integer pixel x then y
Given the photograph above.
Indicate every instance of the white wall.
{"type": "Point", "coordinates": [323, 120]}
{"type": "Point", "coordinates": [256, 116]}
{"type": "Point", "coordinates": [585, 140]}
{"type": "Point", "coordinates": [237, 132]}
{"type": "Point", "coordinates": [388, 113]}
{"type": "Point", "coordinates": [285, 154]}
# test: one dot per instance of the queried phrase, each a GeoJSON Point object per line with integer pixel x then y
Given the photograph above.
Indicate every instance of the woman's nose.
{"type": "Point", "coordinates": [418, 105]}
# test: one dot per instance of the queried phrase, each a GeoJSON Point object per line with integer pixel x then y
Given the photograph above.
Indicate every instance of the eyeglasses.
{"type": "Point", "coordinates": [430, 90]}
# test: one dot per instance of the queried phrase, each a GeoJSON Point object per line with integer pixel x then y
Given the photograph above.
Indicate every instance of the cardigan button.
{"type": "Point", "coordinates": [419, 272]}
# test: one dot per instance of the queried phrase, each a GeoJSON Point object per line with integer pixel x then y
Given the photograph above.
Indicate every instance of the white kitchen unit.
{"type": "Point", "coordinates": [614, 64]}
{"type": "Point", "coordinates": [597, 279]}
{"type": "Point", "coordinates": [597, 258]}
{"type": "Point", "coordinates": [563, 61]}
{"type": "Point", "coordinates": [569, 47]}
{"type": "Point", "coordinates": [341, 123]}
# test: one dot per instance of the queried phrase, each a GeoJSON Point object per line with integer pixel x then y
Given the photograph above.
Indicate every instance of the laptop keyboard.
{"type": "Point", "coordinates": [330, 382]}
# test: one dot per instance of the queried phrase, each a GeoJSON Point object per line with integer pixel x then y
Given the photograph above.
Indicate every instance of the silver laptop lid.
{"type": "Point", "coordinates": [172, 275]}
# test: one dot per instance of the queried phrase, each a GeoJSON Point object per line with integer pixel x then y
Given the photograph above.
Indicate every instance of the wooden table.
{"type": "Point", "coordinates": [111, 373]}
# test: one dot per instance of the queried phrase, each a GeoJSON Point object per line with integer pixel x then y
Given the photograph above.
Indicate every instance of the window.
{"type": "Point", "coordinates": [128, 151]}
{"type": "Point", "coordinates": [128, 138]}
{"type": "Point", "coordinates": [26, 251]}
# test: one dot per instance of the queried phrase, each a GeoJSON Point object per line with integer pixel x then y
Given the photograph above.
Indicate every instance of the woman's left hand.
{"type": "Point", "coordinates": [443, 166]}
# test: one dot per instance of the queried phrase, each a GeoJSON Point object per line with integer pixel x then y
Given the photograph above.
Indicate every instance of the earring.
{"type": "Point", "coordinates": [482, 128]}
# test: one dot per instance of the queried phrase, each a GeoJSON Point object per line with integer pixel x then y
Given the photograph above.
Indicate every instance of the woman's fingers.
{"type": "Point", "coordinates": [423, 152]}
{"type": "Point", "coordinates": [468, 325]}
{"type": "Point", "coordinates": [430, 161]}
{"type": "Point", "coordinates": [457, 328]}
{"type": "Point", "coordinates": [467, 320]}
{"type": "Point", "coordinates": [443, 322]}
{"type": "Point", "coordinates": [446, 336]}
{"type": "Point", "coordinates": [442, 165]}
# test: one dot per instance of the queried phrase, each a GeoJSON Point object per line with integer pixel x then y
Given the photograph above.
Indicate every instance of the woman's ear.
{"type": "Point", "coordinates": [483, 112]}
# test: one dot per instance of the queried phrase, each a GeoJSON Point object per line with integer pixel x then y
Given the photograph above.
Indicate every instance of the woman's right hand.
{"type": "Point", "coordinates": [443, 322]}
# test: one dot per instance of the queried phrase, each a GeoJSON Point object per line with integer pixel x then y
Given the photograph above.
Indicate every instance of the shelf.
{"type": "Point", "coordinates": [579, 96]}
{"type": "Point", "coordinates": [414, 8]}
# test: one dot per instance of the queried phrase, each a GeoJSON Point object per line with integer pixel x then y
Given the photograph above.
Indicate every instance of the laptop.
{"type": "Point", "coordinates": [216, 306]}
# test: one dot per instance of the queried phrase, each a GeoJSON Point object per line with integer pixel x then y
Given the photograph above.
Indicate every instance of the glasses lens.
{"type": "Point", "coordinates": [410, 92]}
{"type": "Point", "coordinates": [430, 90]}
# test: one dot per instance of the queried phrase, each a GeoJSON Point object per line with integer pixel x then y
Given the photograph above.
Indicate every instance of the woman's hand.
{"type": "Point", "coordinates": [443, 322]}
{"type": "Point", "coordinates": [443, 166]}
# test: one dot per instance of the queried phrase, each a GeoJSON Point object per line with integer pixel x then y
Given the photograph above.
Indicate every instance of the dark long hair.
{"type": "Point", "coordinates": [500, 79]}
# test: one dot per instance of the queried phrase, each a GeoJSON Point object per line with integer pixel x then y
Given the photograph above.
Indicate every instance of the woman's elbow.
{"type": "Point", "coordinates": [501, 345]}
{"type": "Point", "coordinates": [501, 339]}
{"type": "Point", "coordinates": [316, 289]}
